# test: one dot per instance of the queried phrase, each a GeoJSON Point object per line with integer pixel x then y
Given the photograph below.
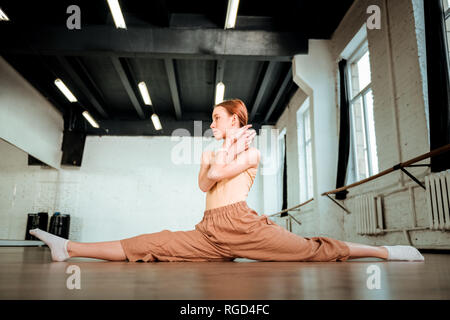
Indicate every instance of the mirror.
{"type": "Point", "coordinates": [19, 194]}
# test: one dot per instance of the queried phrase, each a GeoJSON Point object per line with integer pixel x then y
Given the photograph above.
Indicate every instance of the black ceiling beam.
{"type": "Point", "coordinates": [280, 93]}
{"type": "Point", "coordinates": [170, 127]}
{"type": "Point", "coordinates": [205, 21]}
{"type": "Point", "coordinates": [153, 12]}
{"type": "Point", "coordinates": [220, 68]}
{"type": "Point", "coordinates": [171, 75]}
{"type": "Point", "coordinates": [263, 88]}
{"type": "Point", "coordinates": [198, 116]}
{"type": "Point", "coordinates": [81, 86]}
{"type": "Point", "coordinates": [91, 81]}
{"type": "Point", "coordinates": [150, 42]}
{"type": "Point", "coordinates": [124, 74]}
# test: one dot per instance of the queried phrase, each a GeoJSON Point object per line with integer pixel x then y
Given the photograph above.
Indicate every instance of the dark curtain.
{"type": "Point", "coordinates": [344, 131]}
{"type": "Point", "coordinates": [73, 119]}
{"type": "Point", "coordinates": [438, 82]}
{"type": "Point", "coordinates": [74, 136]}
{"type": "Point", "coordinates": [284, 177]}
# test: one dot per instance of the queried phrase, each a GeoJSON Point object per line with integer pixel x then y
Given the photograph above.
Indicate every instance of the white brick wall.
{"type": "Point", "coordinates": [126, 186]}
{"type": "Point", "coordinates": [399, 90]}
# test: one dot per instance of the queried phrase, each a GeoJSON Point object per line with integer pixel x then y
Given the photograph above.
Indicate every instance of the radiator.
{"type": "Point", "coordinates": [437, 189]}
{"type": "Point", "coordinates": [369, 214]}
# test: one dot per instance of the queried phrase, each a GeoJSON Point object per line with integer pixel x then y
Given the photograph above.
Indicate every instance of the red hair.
{"type": "Point", "coordinates": [237, 107]}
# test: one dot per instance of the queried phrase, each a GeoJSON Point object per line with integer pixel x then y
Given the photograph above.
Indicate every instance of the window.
{"type": "Point", "coordinates": [282, 149]}
{"type": "Point", "coordinates": [447, 21]}
{"type": "Point", "coordinates": [305, 151]}
{"type": "Point", "coordinates": [363, 151]}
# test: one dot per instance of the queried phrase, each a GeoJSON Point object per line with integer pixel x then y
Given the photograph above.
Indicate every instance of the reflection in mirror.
{"type": "Point", "coordinates": [22, 192]}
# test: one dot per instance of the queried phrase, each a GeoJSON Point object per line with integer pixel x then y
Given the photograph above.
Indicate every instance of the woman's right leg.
{"type": "Point", "coordinates": [265, 240]}
{"type": "Point", "coordinates": [107, 250]}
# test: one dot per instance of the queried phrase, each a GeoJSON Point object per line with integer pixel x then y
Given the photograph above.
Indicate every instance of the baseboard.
{"type": "Point", "coordinates": [20, 243]}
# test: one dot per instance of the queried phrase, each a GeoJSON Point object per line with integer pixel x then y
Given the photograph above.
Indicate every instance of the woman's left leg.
{"type": "Point", "coordinates": [107, 250]}
{"type": "Point", "coordinates": [358, 250]}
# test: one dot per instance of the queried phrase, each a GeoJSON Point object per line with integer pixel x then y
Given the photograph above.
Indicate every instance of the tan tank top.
{"type": "Point", "coordinates": [231, 190]}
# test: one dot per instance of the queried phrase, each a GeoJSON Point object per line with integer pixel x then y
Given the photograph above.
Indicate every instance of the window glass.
{"type": "Point", "coordinates": [371, 131]}
{"type": "Point", "coordinates": [305, 152]}
{"type": "Point", "coordinates": [364, 148]}
{"type": "Point", "coordinates": [364, 71]}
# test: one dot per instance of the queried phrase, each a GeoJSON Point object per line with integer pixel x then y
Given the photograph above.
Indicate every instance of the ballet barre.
{"type": "Point", "coordinates": [401, 166]}
{"type": "Point", "coordinates": [285, 212]}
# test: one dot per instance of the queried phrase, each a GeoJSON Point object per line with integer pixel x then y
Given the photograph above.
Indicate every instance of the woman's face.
{"type": "Point", "coordinates": [222, 122]}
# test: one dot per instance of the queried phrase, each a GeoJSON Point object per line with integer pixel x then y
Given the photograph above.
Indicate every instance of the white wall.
{"type": "Point", "coordinates": [126, 186]}
{"type": "Point", "coordinates": [313, 73]}
{"type": "Point", "coordinates": [398, 69]}
{"type": "Point", "coordinates": [270, 169]}
{"type": "Point", "coordinates": [27, 119]}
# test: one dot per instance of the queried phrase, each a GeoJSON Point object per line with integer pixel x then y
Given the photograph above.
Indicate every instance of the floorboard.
{"type": "Point", "coordinates": [29, 273]}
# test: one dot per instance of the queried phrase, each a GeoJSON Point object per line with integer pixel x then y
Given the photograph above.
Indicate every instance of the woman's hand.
{"type": "Point", "coordinates": [233, 136]}
{"type": "Point", "coordinates": [243, 142]}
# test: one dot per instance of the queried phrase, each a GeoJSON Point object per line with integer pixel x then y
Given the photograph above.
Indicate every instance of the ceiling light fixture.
{"type": "Point", "coordinates": [144, 93]}
{"type": "Point", "coordinates": [3, 16]}
{"type": "Point", "coordinates": [220, 92]}
{"type": "Point", "coordinates": [232, 10]}
{"type": "Point", "coordinates": [90, 119]}
{"type": "Point", "coordinates": [156, 122]}
{"type": "Point", "coordinates": [116, 12]}
{"type": "Point", "coordinates": [61, 86]}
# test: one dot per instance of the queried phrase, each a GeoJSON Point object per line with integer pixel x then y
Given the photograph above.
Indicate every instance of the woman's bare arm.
{"type": "Point", "coordinates": [246, 159]}
{"type": "Point", "coordinates": [204, 183]}
{"type": "Point", "coordinates": [236, 158]}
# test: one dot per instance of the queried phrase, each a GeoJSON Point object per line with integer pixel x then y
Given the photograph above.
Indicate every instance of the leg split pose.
{"type": "Point", "coordinates": [230, 228]}
{"type": "Point", "coordinates": [225, 233]}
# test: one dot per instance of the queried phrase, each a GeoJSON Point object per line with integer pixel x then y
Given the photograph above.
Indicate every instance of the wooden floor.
{"type": "Point", "coordinates": [29, 273]}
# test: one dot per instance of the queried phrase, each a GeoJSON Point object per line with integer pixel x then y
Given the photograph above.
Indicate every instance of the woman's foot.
{"type": "Point", "coordinates": [57, 245]}
{"type": "Point", "coordinates": [399, 252]}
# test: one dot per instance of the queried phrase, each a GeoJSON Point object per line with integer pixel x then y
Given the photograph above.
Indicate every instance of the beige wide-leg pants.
{"type": "Point", "coordinates": [229, 232]}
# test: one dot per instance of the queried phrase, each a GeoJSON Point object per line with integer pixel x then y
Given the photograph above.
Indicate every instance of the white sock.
{"type": "Point", "coordinates": [57, 245]}
{"type": "Point", "coordinates": [399, 252]}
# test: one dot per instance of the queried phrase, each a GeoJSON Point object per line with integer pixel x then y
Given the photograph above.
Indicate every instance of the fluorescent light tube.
{"type": "Point", "coordinates": [232, 10]}
{"type": "Point", "coordinates": [220, 92]}
{"type": "Point", "coordinates": [3, 16]}
{"type": "Point", "coordinates": [117, 14]}
{"type": "Point", "coordinates": [90, 119]}
{"type": "Point", "coordinates": [144, 93]}
{"type": "Point", "coordinates": [156, 122]}
{"type": "Point", "coordinates": [61, 86]}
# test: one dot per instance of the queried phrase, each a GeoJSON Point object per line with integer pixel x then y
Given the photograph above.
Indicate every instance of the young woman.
{"type": "Point", "coordinates": [230, 228]}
